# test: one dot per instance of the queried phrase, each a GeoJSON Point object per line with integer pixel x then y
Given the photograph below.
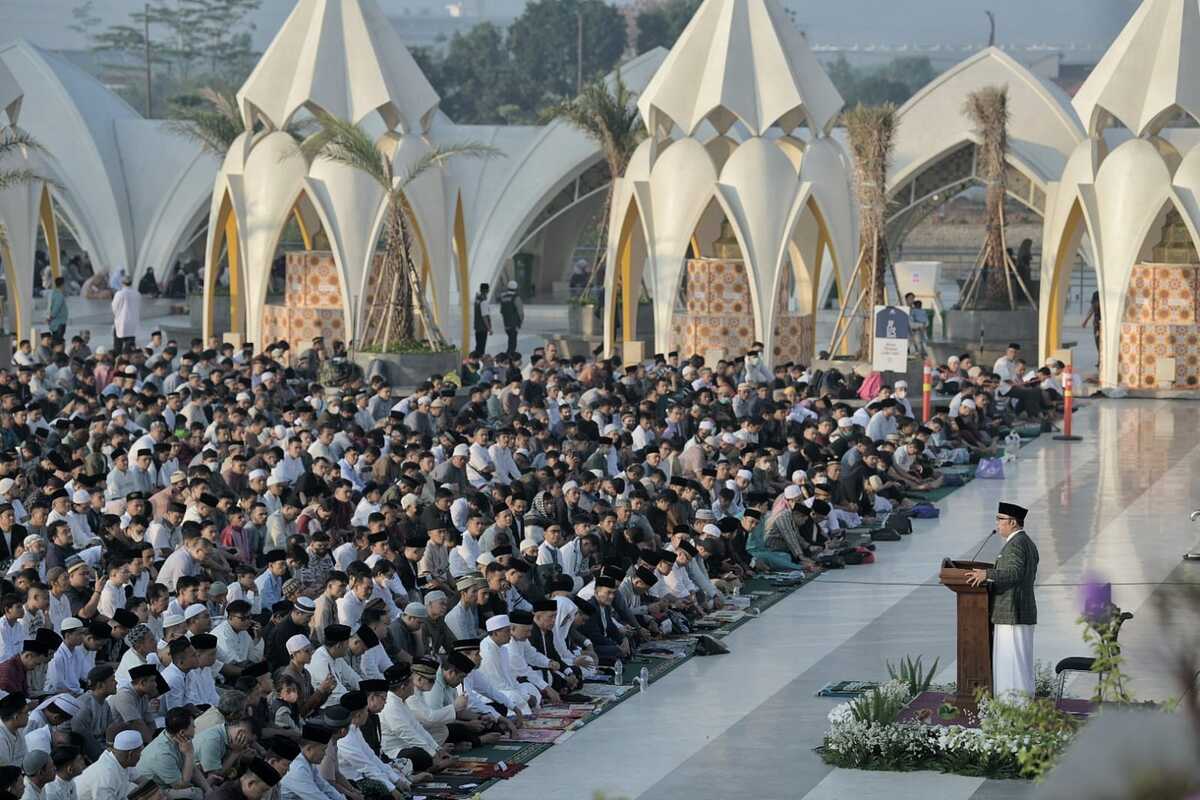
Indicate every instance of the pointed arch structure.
{"type": "Point", "coordinates": [739, 116]}
{"type": "Point", "coordinates": [126, 211]}
{"type": "Point", "coordinates": [1130, 169]}
{"type": "Point", "coordinates": [342, 57]}
{"type": "Point", "coordinates": [935, 156]}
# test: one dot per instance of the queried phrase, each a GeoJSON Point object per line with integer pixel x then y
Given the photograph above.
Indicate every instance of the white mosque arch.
{"type": "Point", "coordinates": [935, 154]}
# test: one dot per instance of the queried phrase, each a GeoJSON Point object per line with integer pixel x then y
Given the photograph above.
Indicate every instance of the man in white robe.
{"type": "Point", "coordinates": [494, 664]}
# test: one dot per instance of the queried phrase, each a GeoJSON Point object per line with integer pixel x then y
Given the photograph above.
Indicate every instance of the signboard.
{"type": "Point", "coordinates": [890, 344]}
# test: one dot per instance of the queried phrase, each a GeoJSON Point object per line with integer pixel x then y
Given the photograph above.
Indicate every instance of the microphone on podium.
{"type": "Point", "coordinates": [986, 539]}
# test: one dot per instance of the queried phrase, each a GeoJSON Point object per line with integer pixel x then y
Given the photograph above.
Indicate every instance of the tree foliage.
{"type": "Point", "coordinates": [193, 43]}
{"type": "Point", "coordinates": [659, 25]}
{"type": "Point", "coordinates": [893, 82]}
{"type": "Point", "coordinates": [488, 76]}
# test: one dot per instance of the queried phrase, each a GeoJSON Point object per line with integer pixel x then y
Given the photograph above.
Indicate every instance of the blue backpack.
{"type": "Point", "coordinates": [925, 511]}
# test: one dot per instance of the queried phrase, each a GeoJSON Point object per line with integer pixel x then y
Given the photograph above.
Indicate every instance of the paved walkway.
{"type": "Point", "coordinates": [744, 724]}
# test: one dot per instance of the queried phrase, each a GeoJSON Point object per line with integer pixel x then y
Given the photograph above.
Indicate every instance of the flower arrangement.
{"type": "Point", "coordinates": [1012, 740]}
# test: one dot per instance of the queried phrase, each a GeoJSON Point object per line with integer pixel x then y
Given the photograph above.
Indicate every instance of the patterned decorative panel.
{"type": "Point", "coordinates": [1185, 347]}
{"type": "Point", "coordinates": [717, 287]}
{"type": "Point", "coordinates": [312, 281]}
{"type": "Point", "coordinates": [1162, 320]}
{"type": "Point", "coordinates": [1175, 294]}
{"type": "Point", "coordinates": [795, 338]}
{"type": "Point", "coordinates": [299, 326]}
{"type": "Point", "coordinates": [1128, 356]}
{"type": "Point", "coordinates": [1139, 300]}
{"type": "Point", "coordinates": [720, 315]}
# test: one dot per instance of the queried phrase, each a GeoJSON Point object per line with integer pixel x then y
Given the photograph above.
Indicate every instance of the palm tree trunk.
{"type": "Point", "coordinates": [995, 290]}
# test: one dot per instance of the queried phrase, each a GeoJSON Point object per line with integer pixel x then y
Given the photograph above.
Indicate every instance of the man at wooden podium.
{"type": "Point", "coordinates": [1014, 610]}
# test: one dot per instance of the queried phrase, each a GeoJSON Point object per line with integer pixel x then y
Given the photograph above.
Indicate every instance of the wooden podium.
{"type": "Point", "coordinates": [974, 630]}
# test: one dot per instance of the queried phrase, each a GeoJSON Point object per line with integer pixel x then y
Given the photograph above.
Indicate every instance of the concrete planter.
{"type": "Point", "coordinates": [408, 369]}
{"type": "Point", "coordinates": [582, 320]}
{"type": "Point", "coordinates": [1019, 326]}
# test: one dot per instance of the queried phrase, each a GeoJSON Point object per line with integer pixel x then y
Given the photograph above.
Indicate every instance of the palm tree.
{"type": "Point", "coordinates": [871, 131]}
{"type": "Point", "coordinates": [16, 142]}
{"type": "Point", "coordinates": [216, 123]}
{"type": "Point", "coordinates": [213, 124]}
{"type": "Point", "coordinates": [393, 310]}
{"type": "Point", "coordinates": [610, 118]}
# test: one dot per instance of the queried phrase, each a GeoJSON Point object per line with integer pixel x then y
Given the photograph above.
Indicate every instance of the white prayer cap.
{"type": "Point", "coordinates": [792, 492]}
{"type": "Point", "coordinates": [268, 376]}
{"type": "Point", "coordinates": [81, 496]}
{"type": "Point", "coordinates": [194, 610]}
{"type": "Point", "coordinates": [711, 530]}
{"type": "Point", "coordinates": [527, 544]}
{"type": "Point", "coordinates": [498, 622]}
{"type": "Point", "coordinates": [968, 403]}
{"type": "Point", "coordinates": [409, 500]}
{"type": "Point", "coordinates": [6, 485]}
{"type": "Point", "coordinates": [243, 397]}
{"type": "Point", "coordinates": [483, 559]}
{"type": "Point", "coordinates": [65, 703]}
{"type": "Point", "coordinates": [118, 412]}
{"type": "Point", "coordinates": [171, 620]}
{"type": "Point", "coordinates": [434, 596]}
{"type": "Point", "coordinates": [297, 643]}
{"type": "Point", "coordinates": [178, 476]}
{"type": "Point", "coordinates": [29, 540]}
{"type": "Point", "coordinates": [416, 610]}
{"type": "Point", "coordinates": [305, 605]}
{"type": "Point", "coordinates": [275, 480]}
{"type": "Point", "coordinates": [127, 741]}
{"type": "Point", "coordinates": [706, 425]}
{"type": "Point", "coordinates": [900, 384]}
{"type": "Point", "coordinates": [728, 438]}
{"type": "Point", "coordinates": [704, 513]}
{"type": "Point", "coordinates": [423, 401]}
{"type": "Point", "coordinates": [845, 422]}
{"type": "Point", "coordinates": [745, 474]}
{"type": "Point", "coordinates": [569, 485]}
{"type": "Point", "coordinates": [70, 624]}
{"type": "Point", "coordinates": [462, 450]}
{"type": "Point", "coordinates": [729, 484]}
{"type": "Point", "coordinates": [798, 476]}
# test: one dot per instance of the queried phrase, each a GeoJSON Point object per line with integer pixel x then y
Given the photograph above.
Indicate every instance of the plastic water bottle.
{"type": "Point", "coordinates": [1012, 443]}
{"type": "Point", "coordinates": [619, 673]}
{"type": "Point", "coordinates": [644, 678]}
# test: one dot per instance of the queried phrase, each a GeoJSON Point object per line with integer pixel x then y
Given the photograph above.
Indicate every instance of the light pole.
{"type": "Point", "coordinates": [146, 38]}
{"type": "Point", "coordinates": [578, 48]}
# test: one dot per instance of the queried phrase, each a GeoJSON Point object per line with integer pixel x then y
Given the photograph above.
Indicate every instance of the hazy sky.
{"type": "Point", "coordinates": [1085, 24]}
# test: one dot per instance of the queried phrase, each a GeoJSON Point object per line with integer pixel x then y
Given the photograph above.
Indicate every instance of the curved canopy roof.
{"type": "Point", "coordinates": [342, 57]}
{"type": "Point", "coordinates": [130, 187]}
{"type": "Point", "coordinates": [774, 80]}
{"type": "Point", "coordinates": [1042, 128]}
{"type": "Point", "coordinates": [1151, 72]}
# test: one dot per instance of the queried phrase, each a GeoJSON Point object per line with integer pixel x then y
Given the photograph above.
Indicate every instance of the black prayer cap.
{"type": "Point", "coordinates": [460, 662]}
{"type": "Point", "coordinates": [283, 747]}
{"type": "Point", "coordinates": [604, 582]}
{"type": "Point", "coordinates": [125, 618]}
{"type": "Point", "coordinates": [142, 671]}
{"type": "Point", "coordinates": [396, 675]}
{"type": "Point", "coordinates": [315, 733]}
{"type": "Point", "coordinates": [545, 605]}
{"type": "Point", "coordinates": [336, 633]}
{"type": "Point", "coordinates": [517, 617]}
{"type": "Point", "coordinates": [353, 701]}
{"type": "Point", "coordinates": [367, 635]}
{"type": "Point", "coordinates": [256, 670]}
{"type": "Point", "coordinates": [1013, 510]}
{"type": "Point", "coordinates": [264, 771]}
{"type": "Point", "coordinates": [371, 685]}
{"type": "Point", "coordinates": [646, 576]}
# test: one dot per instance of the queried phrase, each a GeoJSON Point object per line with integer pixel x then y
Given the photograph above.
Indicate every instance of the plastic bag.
{"type": "Point", "coordinates": [990, 468]}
